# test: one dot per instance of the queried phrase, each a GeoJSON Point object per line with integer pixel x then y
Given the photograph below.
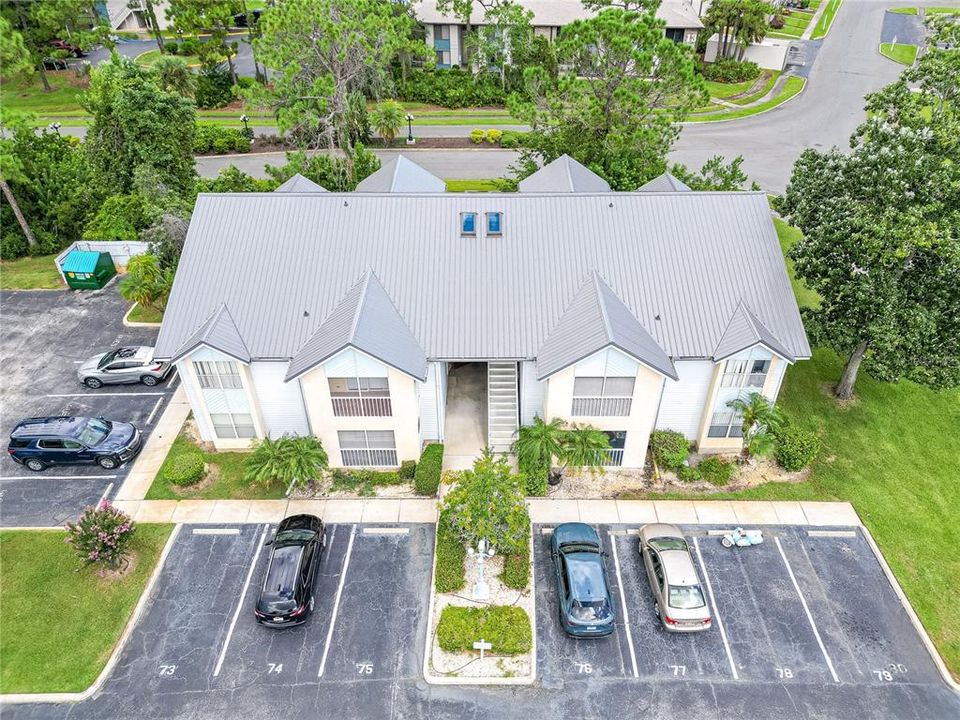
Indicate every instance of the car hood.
{"type": "Point", "coordinates": [91, 364]}
{"type": "Point", "coordinates": [120, 437]}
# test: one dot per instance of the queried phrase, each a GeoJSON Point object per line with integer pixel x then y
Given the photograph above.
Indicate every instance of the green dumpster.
{"type": "Point", "coordinates": [87, 269]}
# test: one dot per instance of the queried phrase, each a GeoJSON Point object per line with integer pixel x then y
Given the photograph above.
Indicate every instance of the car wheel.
{"type": "Point", "coordinates": [148, 380]}
{"type": "Point", "coordinates": [35, 465]}
{"type": "Point", "coordinates": [107, 462]}
{"type": "Point", "coordinates": [93, 383]}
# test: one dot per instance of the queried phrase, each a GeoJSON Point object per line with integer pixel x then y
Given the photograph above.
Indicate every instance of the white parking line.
{"type": "Point", "coordinates": [243, 593]}
{"type": "Point", "coordinates": [386, 531]}
{"type": "Point", "coordinates": [100, 394]}
{"type": "Point", "coordinates": [806, 609]}
{"type": "Point", "coordinates": [156, 406]}
{"type": "Point", "coordinates": [105, 494]}
{"type": "Point", "coordinates": [716, 611]}
{"type": "Point", "coordinates": [623, 605]}
{"type": "Point", "coordinates": [41, 476]}
{"type": "Point", "coordinates": [216, 531]}
{"type": "Point", "coordinates": [336, 602]}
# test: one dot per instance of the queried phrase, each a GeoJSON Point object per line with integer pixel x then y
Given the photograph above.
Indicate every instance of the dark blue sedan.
{"type": "Point", "coordinates": [586, 609]}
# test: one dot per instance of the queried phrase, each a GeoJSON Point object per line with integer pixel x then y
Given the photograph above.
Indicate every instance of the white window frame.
{"type": "Point", "coordinates": [218, 374]}
{"type": "Point", "coordinates": [620, 404]}
{"type": "Point", "coordinates": [738, 373]}
{"type": "Point", "coordinates": [360, 402]}
{"type": "Point", "coordinates": [368, 456]}
{"type": "Point", "coordinates": [234, 432]}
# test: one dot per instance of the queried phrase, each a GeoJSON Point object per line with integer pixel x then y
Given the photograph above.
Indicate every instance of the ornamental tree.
{"type": "Point", "coordinates": [615, 106]}
{"type": "Point", "coordinates": [101, 536]}
{"type": "Point", "coordinates": [882, 233]}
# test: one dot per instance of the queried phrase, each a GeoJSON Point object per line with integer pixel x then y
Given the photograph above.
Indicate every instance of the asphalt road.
{"type": "Point", "coordinates": [812, 629]}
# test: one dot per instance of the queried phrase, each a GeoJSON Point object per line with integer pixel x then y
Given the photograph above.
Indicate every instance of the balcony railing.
{"type": "Point", "coordinates": [601, 406]}
{"type": "Point", "coordinates": [369, 457]}
{"type": "Point", "coordinates": [613, 457]}
{"type": "Point", "coordinates": [362, 407]}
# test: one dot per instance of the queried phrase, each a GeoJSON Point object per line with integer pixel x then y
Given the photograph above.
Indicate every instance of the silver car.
{"type": "Point", "coordinates": [681, 603]}
{"type": "Point", "coordinates": [123, 365]}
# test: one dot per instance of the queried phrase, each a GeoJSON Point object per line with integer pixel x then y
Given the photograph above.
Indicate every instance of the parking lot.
{"type": "Point", "coordinates": [44, 336]}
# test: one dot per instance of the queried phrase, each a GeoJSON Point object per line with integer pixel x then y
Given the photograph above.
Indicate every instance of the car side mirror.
{"type": "Point", "coordinates": [605, 554]}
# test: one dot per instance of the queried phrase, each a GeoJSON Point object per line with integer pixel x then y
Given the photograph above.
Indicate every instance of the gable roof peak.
{"type": "Point", "coordinates": [564, 175]}
{"type": "Point", "coordinates": [219, 332]}
{"type": "Point", "coordinates": [744, 330]}
{"type": "Point", "coordinates": [300, 184]}
{"type": "Point", "coordinates": [401, 175]}
{"type": "Point", "coordinates": [666, 182]}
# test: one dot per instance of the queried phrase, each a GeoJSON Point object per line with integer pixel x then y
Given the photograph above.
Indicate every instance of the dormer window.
{"type": "Point", "coordinates": [494, 223]}
{"type": "Point", "coordinates": [468, 223]}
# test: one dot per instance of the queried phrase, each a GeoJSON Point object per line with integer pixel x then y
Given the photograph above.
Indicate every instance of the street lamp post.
{"type": "Point", "coordinates": [246, 128]}
{"type": "Point", "coordinates": [55, 126]}
{"type": "Point", "coordinates": [483, 552]}
{"type": "Point", "coordinates": [410, 139]}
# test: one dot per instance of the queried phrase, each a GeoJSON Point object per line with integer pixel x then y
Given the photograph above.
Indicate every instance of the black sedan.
{"type": "Point", "coordinates": [286, 595]}
{"type": "Point", "coordinates": [586, 609]}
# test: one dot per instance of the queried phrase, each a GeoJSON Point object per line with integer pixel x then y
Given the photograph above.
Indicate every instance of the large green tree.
{"type": "Point", "coordinates": [135, 124]}
{"type": "Point", "coordinates": [506, 34]}
{"type": "Point", "coordinates": [214, 19]}
{"type": "Point", "coordinates": [323, 51]}
{"type": "Point", "coordinates": [882, 232]}
{"type": "Point", "coordinates": [40, 23]}
{"type": "Point", "coordinates": [738, 22]}
{"type": "Point", "coordinates": [616, 104]}
{"type": "Point", "coordinates": [14, 55]}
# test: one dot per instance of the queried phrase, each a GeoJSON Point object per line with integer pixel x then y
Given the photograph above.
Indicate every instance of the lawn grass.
{"type": "Point", "coordinates": [30, 273]}
{"type": "Point", "coordinates": [905, 11]}
{"type": "Point", "coordinates": [229, 483]}
{"type": "Point", "coordinates": [791, 87]}
{"type": "Point", "coordinates": [60, 621]}
{"type": "Point", "coordinates": [506, 627]}
{"type": "Point", "coordinates": [722, 90]}
{"type": "Point", "coordinates": [472, 186]}
{"type": "Point", "coordinates": [148, 58]}
{"type": "Point", "coordinates": [139, 313]}
{"type": "Point", "coordinates": [942, 11]}
{"type": "Point", "coordinates": [826, 20]}
{"type": "Point", "coordinates": [27, 96]}
{"type": "Point", "coordinates": [899, 52]}
{"type": "Point", "coordinates": [774, 75]}
{"type": "Point", "coordinates": [789, 235]}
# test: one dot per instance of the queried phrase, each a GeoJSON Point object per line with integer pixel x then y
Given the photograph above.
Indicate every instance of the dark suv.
{"type": "Point", "coordinates": [39, 443]}
{"type": "Point", "coordinates": [286, 596]}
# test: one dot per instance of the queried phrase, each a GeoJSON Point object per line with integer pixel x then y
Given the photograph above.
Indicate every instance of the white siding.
{"type": "Point", "coordinates": [281, 404]}
{"type": "Point", "coordinates": [681, 407]}
{"type": "Point", "coordinates": [193, 396]}
{"type": "Point", "coordinates": [219, 400]}
{"type": "Point", "coordinates": [531, 392]}
{"type": "Point", "coordinates": [350, 363]}
{"type": "Point", "coordinates": [608, 362]}
{"type": "Point", "coordinates": [778, 372]}
{"type": "Point", "coordinates": [443, 368]}
{"type": "Point", "coordinates": [428, 392]}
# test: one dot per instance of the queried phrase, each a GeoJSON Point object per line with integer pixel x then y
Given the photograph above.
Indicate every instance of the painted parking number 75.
{"type": "Point", "coordinates": [364, 668]}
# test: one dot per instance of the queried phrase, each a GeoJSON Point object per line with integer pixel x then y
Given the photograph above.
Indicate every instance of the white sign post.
{"type": "Point", "coordinates": [482, 645]}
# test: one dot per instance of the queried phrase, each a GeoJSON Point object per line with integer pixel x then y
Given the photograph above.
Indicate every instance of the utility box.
{"type": "Point", "coordinates": [87, 269]}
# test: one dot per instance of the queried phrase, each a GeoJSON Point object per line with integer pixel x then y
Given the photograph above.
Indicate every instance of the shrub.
{"type": "Point", "coordinates": [716, 470]}
{"type": "Point", "coordinates": [516, 570]}
{"type": "Point", "coordinates": [102, 535]}
{"type": "Point", "coordinates": [476, 136]}
{"type": "Point", "coordinates": [505, 627]}
{"type": "Point", "coordinates": [185, 469]}
{"type": "Point", "coordinates": [453, 88]}
{"type": "Point", "coordinates": [214, 88]}
{"type": "Point", "coordinates": [387, 118]}
{"type": "Point", "coordinates": [210, 137]}
{"type": "Point", "coordinates": [291, 460]}
{"type": "Point", "coordinates": [512, 139]}
{"type": "Point", "coordinates": [688, 473]}
{"type": "Point", "coordinates": [535, 480]}
{"type": "Point", "coordinates": [494, 135]}
{"type": "Point", "coordinates": [363, 482]}
{"type": "Point", "coordinates": [426, 479]}
{"type": "Point", "coordinates": [190, 46]}
{"type": "Point", "coordinates": [451, 555]}
{"type": "Point", "coordinates": [408, 469]}
{"type": "Point", "coordinates": [670, 448]}
{"type": "Point", "coordinates": [727, 70]}
{"type": "Point", "coordinates": [796, 448]}
{"type": "Point", "coordinates": [777, 22]}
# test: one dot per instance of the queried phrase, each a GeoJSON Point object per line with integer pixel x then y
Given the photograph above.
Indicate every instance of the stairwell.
{"type": "Point", "coordinates": [502, 405]}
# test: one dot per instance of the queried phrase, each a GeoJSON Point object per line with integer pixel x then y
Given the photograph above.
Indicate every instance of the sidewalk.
{"type": "Point", "coordinates": [542, 511]}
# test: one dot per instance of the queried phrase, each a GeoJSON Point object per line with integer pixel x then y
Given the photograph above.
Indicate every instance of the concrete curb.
{"type": "Point", "coordinates": [133, 323]}
{"type": "Point", "coordinates": [432, 679]}
{"type": "Point", "coordinates": [747, 117]}
{"type": "Point", "coordinates": [911, 613]}
{"type": "Point", "coordinates": [23, 698]}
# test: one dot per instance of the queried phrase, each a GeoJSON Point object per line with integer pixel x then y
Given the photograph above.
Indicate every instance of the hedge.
{"type": "Point", "coordinates": [516, 570]}
{"type": "Point", "coordinates": [363, 482]}
{"type": "Point", "coordinates": [670, 448]}
{"type": "Point", "coordinates": [453, 88]}
{"type": "Point", "coordinates": [408, 469]}
{"type": "Point", "coordinates": [451, 556]}
{"type": "Point", "coordinates": [213, 138]}
{"type": "Point", "coordinates": [512, 139]}
{"type": "Point", "coordinates": [185, 469]}
{"type": "Point", "coordinates": [727, 70]}
{"type": "Point", "coordinates": [505, 627]}
{"type": "Point", "coordinates": [716, 471]}
{"type": "Point", "coordinates": [426, 479]}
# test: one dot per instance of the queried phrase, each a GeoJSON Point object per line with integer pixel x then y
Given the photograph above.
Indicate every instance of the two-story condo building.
{"type": "Point", "coordinates": [399, 314]}
{"type": "Point", "coordinates": [445, 32]}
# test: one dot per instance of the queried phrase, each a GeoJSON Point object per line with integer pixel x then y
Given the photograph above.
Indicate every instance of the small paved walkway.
{"type": "Point", "coordinates": [542, 511]}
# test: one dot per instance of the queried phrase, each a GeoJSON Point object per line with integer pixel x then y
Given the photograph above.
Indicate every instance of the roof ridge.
{"type": "Point", "coordinates": [358, 311]}
{"type": "Point", "coordinates": [602, 303]}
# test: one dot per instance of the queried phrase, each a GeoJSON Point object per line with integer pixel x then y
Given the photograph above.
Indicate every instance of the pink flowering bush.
{"type": "Point", "coordinates": [102, 535]}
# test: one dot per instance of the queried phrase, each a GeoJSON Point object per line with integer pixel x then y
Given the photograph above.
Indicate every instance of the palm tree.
{"type": "Point", "coordinates": [173, 75]}
{"type": "Point", "coordinates": [387, 119]}
{"type": "Point", "coordinates": [290, 460]}
{"type": "Point", "coordinates": [585, 448]}
{"type": "Point", "coordinates": [538, 444]}
{"type": "Point", "coordinates": [761, 418]}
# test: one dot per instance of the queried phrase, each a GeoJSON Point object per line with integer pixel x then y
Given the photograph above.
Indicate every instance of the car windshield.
{"type": "Point", "coordinates": [108, 358]}
{"type": "Point", "coordinates": [686, 597]}
{"type": "Point", "coordinates": [664, 544]}
{"type": "Point", "coordinates": [296, 536]}
{"type": "Point", "coordinates": [592, 611]}
{"type": "Point", "coordinates": [93, 432]}
{"type": "Point", "coordinates": [281, 580]}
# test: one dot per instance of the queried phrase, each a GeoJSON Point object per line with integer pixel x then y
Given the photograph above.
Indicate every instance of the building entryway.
{"type": "Point", "coordinates": [465, 428]}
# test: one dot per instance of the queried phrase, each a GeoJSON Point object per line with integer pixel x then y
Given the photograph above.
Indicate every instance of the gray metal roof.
{"type": "Point", "coordinates": [746, 330]}
{"type": "Point", "coordinates": [300, 184]}
{"type": "Point", "coordinates": [218, 331]}
{"type": "Point", "coordinates": [563, 175]}
{"type": "Point", "coordinates": [401, 175]}
{"type": "Point", "coordinates": [283, 262]}
{"type": "Point", "coordinates": [596, 319]}
{"type": "Point", "coordinates": [664, 183]}
{"type": "Point", "coordinates": [366, 319]}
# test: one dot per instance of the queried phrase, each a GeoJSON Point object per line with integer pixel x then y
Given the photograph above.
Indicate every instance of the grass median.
{"type": "Point", "coordinates": [826, 20]}
{"type": "Point", "coordinates": [899, 52]}
{"type": "Point", "coordinates": [790, 88]}
{"type": "Point", "coordinates": [61, 621]}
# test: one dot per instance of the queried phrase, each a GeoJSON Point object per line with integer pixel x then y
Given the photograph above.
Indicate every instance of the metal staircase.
{"type": "Point", "coordinates": [502, 405]}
